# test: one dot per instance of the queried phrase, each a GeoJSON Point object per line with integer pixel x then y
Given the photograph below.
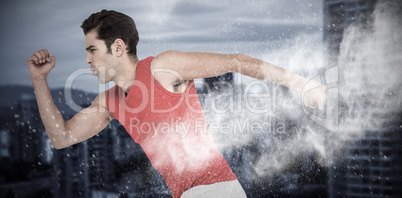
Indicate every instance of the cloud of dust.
{"type": "Point", "coordinates": [270, 120]}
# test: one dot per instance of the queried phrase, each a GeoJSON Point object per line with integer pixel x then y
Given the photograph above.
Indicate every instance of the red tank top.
{"type": "Point", "coordinates": [172, 130]}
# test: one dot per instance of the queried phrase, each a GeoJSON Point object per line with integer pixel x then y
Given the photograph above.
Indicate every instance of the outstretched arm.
{"type": "Point", "coordinates": [191, 65]}
{"type": "Point", "coordinates": [82, 126]}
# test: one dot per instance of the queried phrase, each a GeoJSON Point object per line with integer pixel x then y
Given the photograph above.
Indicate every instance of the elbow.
{"type": "Point", "coordinates": [57, 144]}
{"type": "Point", "coordinates": [58, 136]}
{"type": "Point", "coordinates": [58, 147]}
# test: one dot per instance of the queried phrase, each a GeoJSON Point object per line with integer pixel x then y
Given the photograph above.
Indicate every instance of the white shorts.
{"type": "Point", "coordinates": [229, 189]}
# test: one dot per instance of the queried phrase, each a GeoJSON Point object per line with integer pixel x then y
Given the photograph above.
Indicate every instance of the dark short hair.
{"type": "Point", "coordinates": [111, 25]}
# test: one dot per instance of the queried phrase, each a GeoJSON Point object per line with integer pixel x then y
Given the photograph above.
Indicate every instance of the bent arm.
{"type": "Point", "coordinates": [82, 126]}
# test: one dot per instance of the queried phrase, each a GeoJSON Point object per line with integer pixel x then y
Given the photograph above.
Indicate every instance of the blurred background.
{"type": "Point", "coordinates": [350, 149]}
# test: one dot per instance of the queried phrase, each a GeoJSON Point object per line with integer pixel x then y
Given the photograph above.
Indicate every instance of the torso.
{"type": "Point", "coordinates": [170, 126]}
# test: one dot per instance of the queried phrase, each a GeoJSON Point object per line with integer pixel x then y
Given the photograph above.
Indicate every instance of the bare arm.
{"type": "Point", "coordinates": [82, 126]}
{"type": "Point", "coordinates": [191, 65]}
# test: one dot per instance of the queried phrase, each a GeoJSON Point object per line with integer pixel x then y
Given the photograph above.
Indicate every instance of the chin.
{"type": "Point", "coordinates": [103, 81]}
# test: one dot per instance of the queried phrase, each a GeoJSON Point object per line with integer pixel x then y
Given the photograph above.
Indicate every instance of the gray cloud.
{"type": "Point", "coordinates": [224, 26]}
{"type": "Point", "coordinates": [189, 8]}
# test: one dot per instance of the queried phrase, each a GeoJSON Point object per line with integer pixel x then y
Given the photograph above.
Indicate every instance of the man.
{"type": "Point", "coordinates": [155, 100]}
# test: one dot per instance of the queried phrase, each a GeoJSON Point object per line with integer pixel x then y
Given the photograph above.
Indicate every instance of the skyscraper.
{"type": "Point", "coordinates": [338, 15]}
{"type": "Point", "coordinates": [370, 164]}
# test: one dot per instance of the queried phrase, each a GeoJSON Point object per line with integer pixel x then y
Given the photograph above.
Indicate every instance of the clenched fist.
{"type": "Point", "coordinates": [315, 97]}
{"type": "Point", "coordinates": [40, 64]}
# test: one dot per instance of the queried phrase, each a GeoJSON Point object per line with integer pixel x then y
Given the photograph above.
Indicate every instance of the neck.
{"type": "Point", "coordinates": [126, 75]}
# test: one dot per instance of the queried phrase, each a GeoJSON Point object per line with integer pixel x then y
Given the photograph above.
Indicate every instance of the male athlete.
{"type": "Point", "coordinates": [156, 101]}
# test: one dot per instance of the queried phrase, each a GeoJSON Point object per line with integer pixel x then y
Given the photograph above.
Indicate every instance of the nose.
{"type": "Point", "coordinates": [88, 59]}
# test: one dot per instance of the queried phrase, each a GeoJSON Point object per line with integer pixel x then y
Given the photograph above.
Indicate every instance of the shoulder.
{"type": "Point", "coordinates": [165, 59]}
{"type": "Point", "coordinates": [166, 69]}
{"type": "Point", "coordinates": [168, 64]}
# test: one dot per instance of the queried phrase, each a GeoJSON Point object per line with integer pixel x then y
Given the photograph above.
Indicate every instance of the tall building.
{"type": "Point", "coordinates": [338, 15]}
{"type": "Point", "coordinates": [4, 145]}
{"type": "Point", "coordinates": [371, 164]}
{"type": "Point", "coordinates": [70, 168]}
{"type": "Point", "coordinates": [86, 166]}
{"type": "Point", "coordinates": [98, 159]}
{"type": "Point", "coordinates": [25, 168]}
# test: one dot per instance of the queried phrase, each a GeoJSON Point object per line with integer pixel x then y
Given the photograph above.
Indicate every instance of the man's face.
{"type": "Point", "coordinates": [101, 62]}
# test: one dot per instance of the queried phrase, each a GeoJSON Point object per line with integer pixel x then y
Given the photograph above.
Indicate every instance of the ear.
{"type": "Point", "coordinates": [119, 47]}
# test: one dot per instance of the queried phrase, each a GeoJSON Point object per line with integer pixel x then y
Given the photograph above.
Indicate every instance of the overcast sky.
{"type": "Point", "coordinates": [249, 27]}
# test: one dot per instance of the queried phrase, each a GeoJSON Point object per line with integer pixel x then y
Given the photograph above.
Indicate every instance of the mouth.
{"type": "Point", "coordinates": [93, 71]}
